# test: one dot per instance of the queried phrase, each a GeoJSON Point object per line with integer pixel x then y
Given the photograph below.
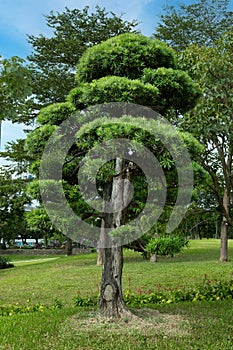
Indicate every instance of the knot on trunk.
{"type": "Point", "coordinates": [109, 293]}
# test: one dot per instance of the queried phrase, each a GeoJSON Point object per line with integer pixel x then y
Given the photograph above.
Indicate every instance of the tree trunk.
{"type": "Point", "coordinates": [224, 229]}
{"type": "Point", "coordinates": [111, 301]}
{"type": "Point", "coordinates": [100, 258]}
{"type": "Point", "coordinates": [154, 258]}
{"type": "Point", "coordinates": [69, 248]}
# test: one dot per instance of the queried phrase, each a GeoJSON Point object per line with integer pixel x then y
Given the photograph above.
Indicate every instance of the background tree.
{"type": "Point", "coordinates": [201, 23]}
{"type": "Point", "coordinates": [114, 71]}
{"type": "Point", "coordinates": [13, 198]}
{"type": "Point", "coordinates": [13, 187]}
{"type": "Point", "coordinates": [55, 58]}
{"type": "Point", "coordinates": [15, 88]}
{"type": "Point", "coordinates": [39, 225]}
{"type": "Point", "coordinates": [15, 91]}
{"type": "Point", "coordinates": [212, 68]}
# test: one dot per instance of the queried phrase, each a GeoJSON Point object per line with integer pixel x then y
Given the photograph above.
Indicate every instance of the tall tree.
{"type": "Point", "coordinates": [127, 68]}
{"type": "Point", "coordinates": [55, 58]}
{"type": "Point", "coordinates": [201, 23]}
{"type": "Point", "coordinates": [211, 120]}
{"type": "Point", "coordinates": [15, 91]}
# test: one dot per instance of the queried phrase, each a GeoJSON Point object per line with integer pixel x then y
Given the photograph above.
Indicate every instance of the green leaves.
{"type": "Point", "coordinates": [55, 114]}
{"type": "Point", "coordinates": [209, 291]}
{"type": "Point", "coordinates": [15, 88]}
{"type": "Point", "coordinates": [167, 245]}
{"type": "Point", "coordinates": [73, 31]}
{"type": "Point", "coordinates": [125, 55]}
{"type": "Point", "coordinates": [173, 85]}
{"type": "Point", "coordinates": [116, 89]}
{"type": "Point", "coordinates": [5, 262]}
{"type": "Point", "coordinates": [200, 23]}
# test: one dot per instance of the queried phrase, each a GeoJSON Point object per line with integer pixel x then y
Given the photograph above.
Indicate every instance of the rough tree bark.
{"type": "Point", "coordinates": [111, 301]}
{"type": "Point", "coordinates": [100, 258]}
{"type": "Point", "coordinates": [224, 229]}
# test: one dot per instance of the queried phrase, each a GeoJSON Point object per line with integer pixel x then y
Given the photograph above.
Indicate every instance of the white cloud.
{"type": "Point", "coordinates": [27, 16]}
{"type": "Point", "coordinates": [21, 17]}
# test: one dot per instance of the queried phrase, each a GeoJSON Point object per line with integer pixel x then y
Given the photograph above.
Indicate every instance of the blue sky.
{"type": "Point", "coordinates": [21, 17]}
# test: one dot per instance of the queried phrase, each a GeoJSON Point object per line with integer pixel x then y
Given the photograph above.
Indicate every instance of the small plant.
{"type": "Point", "coordinates": [91, 300]}
{"type": "Point", "coordinates": [5, 262]}
{"type": "Point", "coordinates": [58, 304]}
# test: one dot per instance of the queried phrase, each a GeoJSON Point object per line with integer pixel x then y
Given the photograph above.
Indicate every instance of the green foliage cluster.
{"type": "Point", "coordinates": [91, 300]}
{"type": "Point", "coordinates": [166, 245]}
{"type": "Point", "coordinates": [117, 89]}
{"type": "Point", "coordinates": [173, 85]}
{"type": "Point", "coordinates": [13, 198]}
{"type": "Point", "coordinates": [5, 262]}
{"type": "Point", "coordinates": [55, 113]}
{"type": "Point", "coordinates": [126, 55]}
{"type": "Point", "coordinates": [208, 291]}
{"type": "Point", "coordinates": [133, 68]}
{"type": "Point", "coordinates": [15, 88]}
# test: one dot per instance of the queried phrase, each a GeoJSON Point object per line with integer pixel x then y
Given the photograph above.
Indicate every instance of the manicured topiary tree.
{"type": "Point", "coordinates": [127, 68]}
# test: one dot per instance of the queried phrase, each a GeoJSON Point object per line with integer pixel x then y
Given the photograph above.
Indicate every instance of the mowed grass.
{"type": "Point", "coordinates": [45, 279]}
{"type": "Point", "coordinates": [198, 325]}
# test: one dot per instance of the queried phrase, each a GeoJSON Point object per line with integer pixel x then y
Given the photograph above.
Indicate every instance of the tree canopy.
{"type": "Point", "coordinates": [201, 23]}
{"type": "Point", "coordinates": [15, 88]}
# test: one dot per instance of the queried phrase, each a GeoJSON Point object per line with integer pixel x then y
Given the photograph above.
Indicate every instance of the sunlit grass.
{"type": "Point", "coordinates": [183, 326]}
{"type": "Point", "coordinates": [65, 277]}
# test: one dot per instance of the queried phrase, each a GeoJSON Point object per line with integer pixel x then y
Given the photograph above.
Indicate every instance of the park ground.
{"type": "Point", "coordinates": [50, 285]}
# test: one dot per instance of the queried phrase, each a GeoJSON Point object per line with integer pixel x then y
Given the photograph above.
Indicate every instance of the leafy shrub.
{"type": "Point", "coordinates": [165, 245]}
{"type": "Point", "coordinates": [55, 114]}
{"type": "Point", "coordinates": [5, 262]}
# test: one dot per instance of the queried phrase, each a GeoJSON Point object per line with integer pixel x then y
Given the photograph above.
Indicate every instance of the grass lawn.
{"type": "Point", "coordinates": [188, 325]}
